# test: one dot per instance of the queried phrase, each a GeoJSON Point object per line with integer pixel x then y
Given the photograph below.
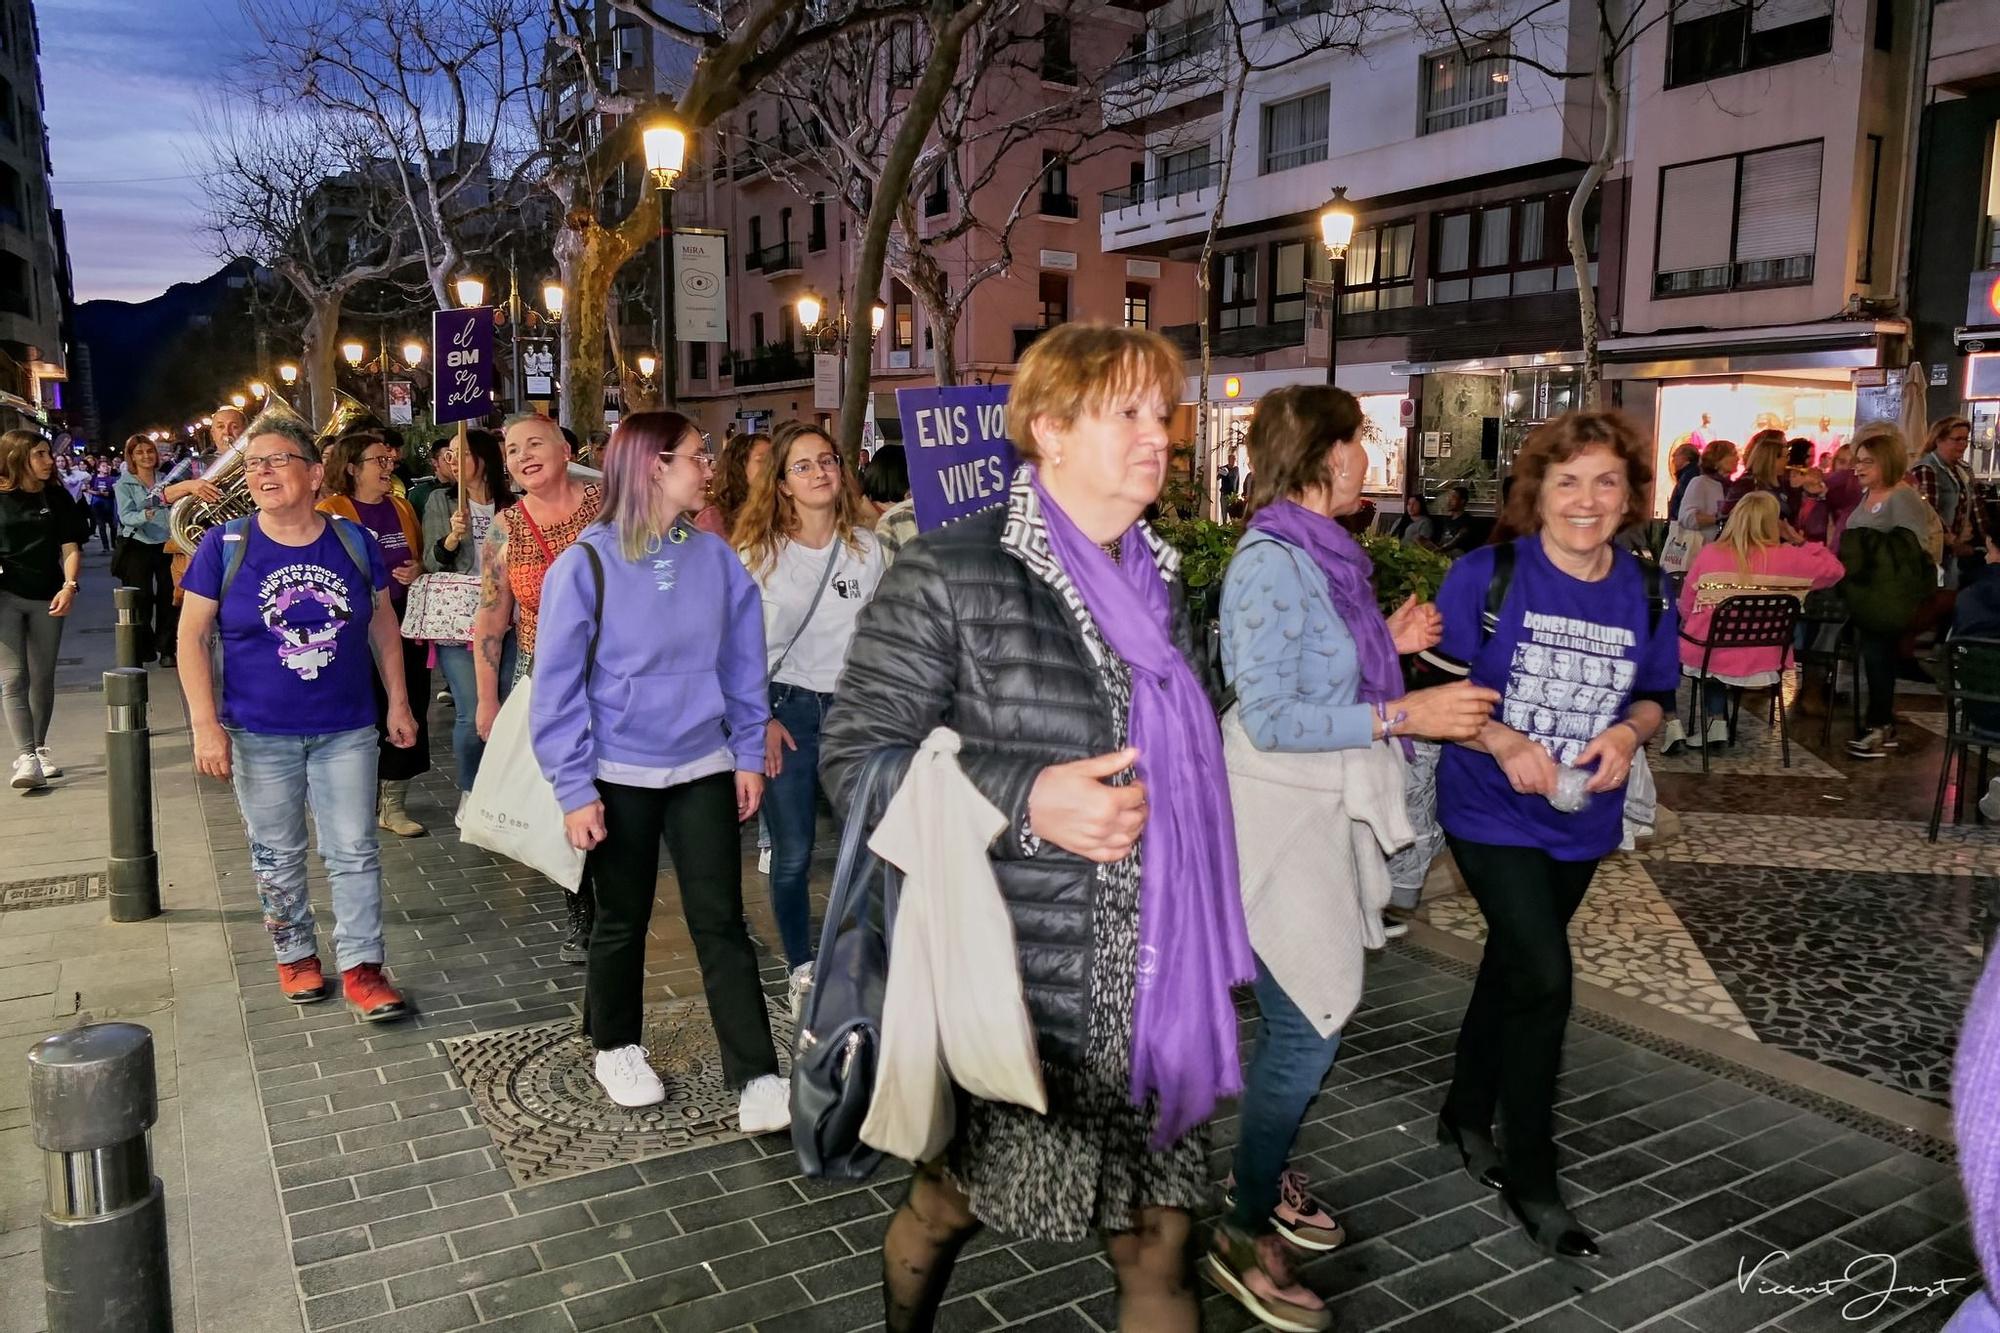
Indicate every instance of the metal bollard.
{"type": "Point", "coordinates": [131, 630]}
{"type": "Point", "coordinates": [134, 869]}
{"type": "Point", "coordinates": [92, 1096]}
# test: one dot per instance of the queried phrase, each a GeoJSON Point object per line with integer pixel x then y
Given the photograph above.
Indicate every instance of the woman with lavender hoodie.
{"type": "Point", "coordinates": [648, 718]}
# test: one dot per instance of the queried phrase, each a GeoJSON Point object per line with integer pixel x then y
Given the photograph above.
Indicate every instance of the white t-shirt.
{"type": "Point", "coordinates": [480, 518]}
{"type": "Point", "coordinates": [815, 661]}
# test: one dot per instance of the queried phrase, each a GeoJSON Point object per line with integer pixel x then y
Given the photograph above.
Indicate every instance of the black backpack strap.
{"type": "Point", "coordinates": [597, 605]}
{"type": "Point", "coordinates": [1496, 590]}
{"type": "Point", "coordinates": [1656, 595]}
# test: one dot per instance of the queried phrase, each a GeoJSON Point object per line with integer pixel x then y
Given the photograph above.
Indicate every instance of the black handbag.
{"type": "Point", "coordinates": [839, 1039]}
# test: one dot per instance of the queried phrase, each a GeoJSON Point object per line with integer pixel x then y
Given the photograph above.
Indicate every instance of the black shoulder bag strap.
{"type": "Point", "coordinates": [597, 604]}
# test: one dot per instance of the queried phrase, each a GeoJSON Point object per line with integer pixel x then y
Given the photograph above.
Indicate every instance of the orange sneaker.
{"type": "Point", "coordinates": [370, 993]}
{"type": "Point", "coordinates": [302, 982]}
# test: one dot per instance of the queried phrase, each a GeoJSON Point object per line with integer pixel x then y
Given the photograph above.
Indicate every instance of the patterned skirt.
{"type": "Point", "coordinates": [1086, 1166]}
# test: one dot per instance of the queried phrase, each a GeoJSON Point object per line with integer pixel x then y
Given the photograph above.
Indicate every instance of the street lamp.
{"type": "Point", "coordinates": [413, 354]}
{"type": "Point", "coordinates": [552, 297]}
{"type": "Point", "coordinates": [813, 317]}
{"type": "Point", "coordinates": [258, 390]}
{"type": "Point", "coordinates": [238, 401]}
{"type": "Point", "coordinates": [1336, 231]}
{"type": "Point", "coordinates": [648, 363]}
{"type": "Point", "coordinates": [352, 352]}
{"type": "Point", "coordinates": [289, 373]}
{"type": "Point", "coordinates": [471, 291]}
{"type": "Point", "coordinates": [809, 312]}
{"type": "Point", "coordinates": [666, 156]}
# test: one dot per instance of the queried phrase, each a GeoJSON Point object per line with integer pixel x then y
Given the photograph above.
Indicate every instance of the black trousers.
{"type": "Point", "coordinates": [1510, 1044]}
{"type": "Point", "coordinates": [1879, 654]}
{"type": "Point", "coordinates": [699, 821]}
{"type": "Point", "coordinates": [150, 569]}
{"type": "Point", "coordinates": [398, 764]}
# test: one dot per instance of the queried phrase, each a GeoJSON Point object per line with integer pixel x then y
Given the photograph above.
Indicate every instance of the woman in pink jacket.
{"type": "Point", "coordinates": [1749, 557]}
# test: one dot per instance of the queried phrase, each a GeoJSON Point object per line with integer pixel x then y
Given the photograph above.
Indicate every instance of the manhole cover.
{"type": "Point", "coordinates": [17, 895]}
{"type": "Point", "coordinates": [533, 1089]}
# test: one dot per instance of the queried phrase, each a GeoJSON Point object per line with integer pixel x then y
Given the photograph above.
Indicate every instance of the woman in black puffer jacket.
{"type": "Point", "coordinates": [1052, 635]}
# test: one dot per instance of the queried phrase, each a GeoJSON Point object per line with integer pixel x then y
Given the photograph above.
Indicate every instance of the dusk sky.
{"type": "Point", "coordinates": [125, 81]}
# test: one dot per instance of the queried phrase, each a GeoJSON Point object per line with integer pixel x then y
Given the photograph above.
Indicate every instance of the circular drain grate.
{"type": "Point", "coordinates": [535, 1093]}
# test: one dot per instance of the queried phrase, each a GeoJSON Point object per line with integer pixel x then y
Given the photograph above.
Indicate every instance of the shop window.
{"type": "Point", "coordinates": [1512, 249]}
{"type": "Point", "coordinates": [1713, 38]}
{"type": "Point", "coordinates": [1737, 223]}
{"type": "Point", "coordinates": [1054, 289]}
{"type": "Point", "coordinates": [902, 318]}
{"type": "Point", "coordinates": [1235, 284]}
{"type": "Point", "coordinates": [1138, 306]}
{"type": "Point", "coordinates": [697, 361]}
{"type": "Point", "coordinates": [1295, 132]}
{"type": "Point", "coordinates": [1464, 87]}
{"type": "Point", "coordinates": [1992, 250]}
{"type": "Point", "coordinates": [1380, 269]}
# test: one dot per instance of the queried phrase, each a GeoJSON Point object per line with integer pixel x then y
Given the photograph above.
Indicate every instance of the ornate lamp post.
{"type": "Point", "coordinates": [666, 158]}
{"type": "Point", "coordinates": [1336, 231]}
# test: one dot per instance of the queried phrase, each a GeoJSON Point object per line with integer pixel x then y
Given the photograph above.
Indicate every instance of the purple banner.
{"type": "Point", "coordinates": [955, 442]}
{"type": "Point", "coordinates": [462, 351]}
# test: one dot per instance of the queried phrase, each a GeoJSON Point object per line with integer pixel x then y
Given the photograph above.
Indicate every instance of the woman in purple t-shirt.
{"type": "Point", "coordinates": [360, 483]}
{"type": "Point", "coordinates": [1583, 653]}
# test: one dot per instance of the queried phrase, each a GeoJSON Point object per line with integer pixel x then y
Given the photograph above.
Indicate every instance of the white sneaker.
{"type": "Point", "coordinates": [763, 860]}
{"type": "Point", "coordinates": [1989, 804]}
{"type": "Point", "coordinates": [765, 1106]}
{"type": "Point", "coordinates": [28, 773]}
{"type": "Point", "coordinates": [627, 1079]}
{"type": "Point", "coordinates": [801, 982]}
{"type": "Point", "coordinates": [50, 769]}
{"type": "Point", "coordinates": [1394, 929]}
{"type": "Point", "coordinates": [1674, 738]}
{"type": "Point", "coordinates": [1718, 731]}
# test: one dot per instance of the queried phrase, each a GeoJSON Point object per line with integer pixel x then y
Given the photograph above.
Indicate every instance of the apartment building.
{"type": "Point", "coordinates": [35, 292]}
{"type": "Point", "coordinates": [1769, 167]}
{"type": "Point", "coordinates": [788, 234]}
{"type": "Point", "coordinates": [1955, 257]}
{"type": "Point", "coordinates": [1745, 245]}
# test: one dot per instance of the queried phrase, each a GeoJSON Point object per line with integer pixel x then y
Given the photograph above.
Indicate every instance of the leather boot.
{"type": "Point", "coordinates": [391, 815]}
{"type": "Point", "coordinates": [582, 912]}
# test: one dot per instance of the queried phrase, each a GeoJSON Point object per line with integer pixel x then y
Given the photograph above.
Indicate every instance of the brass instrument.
{"type": "Point", "coordinates": [191, 516]}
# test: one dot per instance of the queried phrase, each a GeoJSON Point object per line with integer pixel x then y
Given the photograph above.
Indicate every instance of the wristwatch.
{"type": "Point", "coordinates": [71, 584]}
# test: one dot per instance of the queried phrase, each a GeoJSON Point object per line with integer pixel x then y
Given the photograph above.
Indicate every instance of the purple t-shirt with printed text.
{"type": "Point", "coordinates": [294, 627]}
{"type": "Point", "coordinates": [1567, 656]}
{"type": "Point", "coordinates": [382, 520]}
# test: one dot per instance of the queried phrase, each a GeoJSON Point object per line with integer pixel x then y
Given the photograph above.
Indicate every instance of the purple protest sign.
{"type": "Point", "coordinates": [955, 443]}
{"type": "Point", "coordinates": [462, 351]}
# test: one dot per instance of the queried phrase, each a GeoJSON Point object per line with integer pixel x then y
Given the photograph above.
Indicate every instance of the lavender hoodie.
{"type": "Point", "coordinates": [680, 662]}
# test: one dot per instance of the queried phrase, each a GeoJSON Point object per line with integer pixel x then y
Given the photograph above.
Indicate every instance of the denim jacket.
{"type": "Point", "coordinates": [1288, 653]}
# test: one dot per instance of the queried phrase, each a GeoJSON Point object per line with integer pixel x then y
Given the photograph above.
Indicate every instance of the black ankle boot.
{"type": "Point", "coordinates": [1476, 1150]}
{"type": "Point", "coordinates": [576, 945]}
{"type": "Point", "coordinates": [1552, 1227]}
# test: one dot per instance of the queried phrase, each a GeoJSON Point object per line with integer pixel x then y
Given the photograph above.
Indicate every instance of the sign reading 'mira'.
{"type": "Point", "coordinates": [462, 351]}
{"type": "Point", "coordinates": [955, 442]}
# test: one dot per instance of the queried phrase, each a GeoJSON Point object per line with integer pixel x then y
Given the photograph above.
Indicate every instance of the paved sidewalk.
{"type": "Point", "coordinates": [460, 1170]}
{"type": "Point", "coordinates": [64, 965]}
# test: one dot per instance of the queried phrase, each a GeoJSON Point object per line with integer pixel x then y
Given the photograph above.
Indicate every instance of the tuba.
{"type": "Point", "coordinates": [191, 517]}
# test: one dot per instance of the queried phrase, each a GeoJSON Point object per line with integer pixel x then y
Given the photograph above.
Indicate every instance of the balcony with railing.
{"type": "Point", "coordinates": [774, 363]}
{"type": "Point", "coordinates": [1180, 66]}
{"type": "Point", "coordinates": [1159, 208]}
{"type": "Point", "coordinates": [776, 261]}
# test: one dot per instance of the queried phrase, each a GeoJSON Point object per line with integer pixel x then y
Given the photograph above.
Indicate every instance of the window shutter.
{"type": "Point", "coordinates": [1697, 206]}
{"type": "Point", "coordinates": [1778, 217]}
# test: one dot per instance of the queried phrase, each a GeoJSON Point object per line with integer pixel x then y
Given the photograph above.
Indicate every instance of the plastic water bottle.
{"type": "Point", "coordinates": [1572, 791]}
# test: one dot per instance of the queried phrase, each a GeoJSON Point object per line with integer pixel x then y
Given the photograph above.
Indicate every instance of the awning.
{"type": "Point", "coordinates": [1840, 345]}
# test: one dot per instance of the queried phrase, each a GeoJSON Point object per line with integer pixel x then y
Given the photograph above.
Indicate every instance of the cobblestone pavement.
{"type": "Point", "coordinates": [405, 1213]}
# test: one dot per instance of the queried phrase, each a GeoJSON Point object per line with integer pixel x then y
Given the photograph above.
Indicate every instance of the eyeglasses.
{"type": "Point", "coordinates": [270, 462]}
{"type": "Point", "coordinates": [379, 460]}
{"type": "Point", "coordinates": [702, 458]}
{"type": "Point", "coordinates": [805, 467]}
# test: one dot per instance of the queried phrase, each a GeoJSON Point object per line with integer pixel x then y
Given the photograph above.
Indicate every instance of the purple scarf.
{"type": "Point", "coordinates": [1349, 581]}
{"type": "Point", "coordinates": [1193, 945]}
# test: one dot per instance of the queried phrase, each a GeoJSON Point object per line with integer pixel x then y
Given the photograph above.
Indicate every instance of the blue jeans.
{"type": "Point", "coordinates": [276, 778]}
{"type": "Point", "coordinates": [455, 661]}
{"type": "Point", "coordinates": [791, 807]}
{"type": "Point", "coordinates": [1291, 1061]}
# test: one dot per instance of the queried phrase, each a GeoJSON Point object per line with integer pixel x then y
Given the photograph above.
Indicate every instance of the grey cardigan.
{"type": "Point", "coordinates": [437, 526]}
